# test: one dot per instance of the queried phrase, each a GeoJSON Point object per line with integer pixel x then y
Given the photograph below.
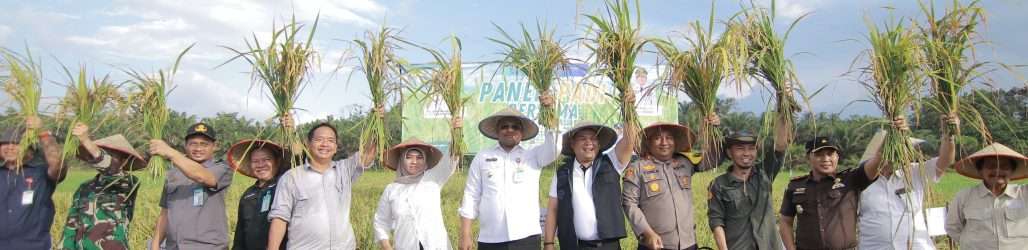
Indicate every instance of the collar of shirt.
{"type": "Point", "coordinates": [499, 149]}
{"type": "Point", "coordinates": [1010, 191]}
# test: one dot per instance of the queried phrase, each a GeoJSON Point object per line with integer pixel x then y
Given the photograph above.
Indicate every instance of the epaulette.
{"type": "Point", "coordinates": [693, 156]}
{"type": "Point", "coordinates": [801, 177]}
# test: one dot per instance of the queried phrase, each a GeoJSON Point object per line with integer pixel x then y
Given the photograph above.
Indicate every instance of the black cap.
{"type": "Point", "coordinates": [819, 143]}
{"type": "Point", "coordinates": [203, 129]}
{"type": "Point", "coordinates": [740, 137]}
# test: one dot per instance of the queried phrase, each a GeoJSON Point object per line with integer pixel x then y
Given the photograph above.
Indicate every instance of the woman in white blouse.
{"type": "Point", "coordinates": [410, 207]}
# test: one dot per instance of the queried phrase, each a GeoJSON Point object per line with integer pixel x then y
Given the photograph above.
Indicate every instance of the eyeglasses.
{"type": "Point", "coordinates": [510, 126]}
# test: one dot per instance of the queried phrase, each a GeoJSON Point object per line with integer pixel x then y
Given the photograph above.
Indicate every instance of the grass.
{"type": "Point", "coordinates": [382, 69]}
{"type": "Point", "coordinates": [86, 100]}
{"type": "Point", "coordinates": [368, 189]}
{"type": "Point", "coordinates": [151, 100]}
{"type": "Point", "coordinates": [445, 79]}
{"type": "Point", "coordinates": [615, 44]}
{"type": "Point", "coordinates": [539, 58]}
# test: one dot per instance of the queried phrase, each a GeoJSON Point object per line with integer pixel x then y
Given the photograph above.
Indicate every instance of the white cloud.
{"type": "Point", "coordinates": [198, 93]}
{"type": "Point", "coordinates": [5, 31]}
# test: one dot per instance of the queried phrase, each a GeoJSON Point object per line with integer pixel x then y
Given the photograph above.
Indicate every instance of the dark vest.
{"type": "Point", "coordinates": [606, 198]}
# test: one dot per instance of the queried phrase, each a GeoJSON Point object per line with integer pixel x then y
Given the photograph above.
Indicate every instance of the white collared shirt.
{"type": "Point", "coordinates": [316, 205]}
{"type": "Point", "coordinates": [977, 219]}
{"type": "Point", "coordinates": [582, 197]}
{"type": "Point", "coordinates": [413, 212]}
{"type": "Point", "coordinates": [888, 205]}
{"type": "Point", "coordinates": [502, 190]}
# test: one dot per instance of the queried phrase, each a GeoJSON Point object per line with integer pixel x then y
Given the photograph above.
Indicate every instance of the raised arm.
{"type": "Point", "coordinates": [55, 169]}
{"type": "Point", "coordinates": [81, 132]}
{"type": "Point", "coordinates": [623, 150]}
{"type": "Point", "coordinates": [190, 168]}
{"type": "Point", "coordinates": [548, 151]}
{"type": "Point", "coordinates": [872, 165]}
{"type": "Point", "coordinates": [947, 147]}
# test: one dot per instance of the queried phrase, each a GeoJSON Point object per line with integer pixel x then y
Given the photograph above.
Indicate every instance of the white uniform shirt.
{"type": "Point", "coordinates": [582, 198]}
{"type": "Point", "coordinates": [413, 212]}
{"type": "Point", "coordinates": [977, 219]}
{"type": "Point", "coordinates": [502, 190]}
{"type": "Point", "coordinates": [886, 211]}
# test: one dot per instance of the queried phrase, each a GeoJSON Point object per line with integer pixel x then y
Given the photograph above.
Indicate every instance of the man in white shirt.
{"type": "Point", "coordinates": [502, 188]}
{"type": "Point", "coordinates": [992, 215]}
{"type": "Point", "coordinates": [585, 195]}
{"type": "Point", "coordinates": [889, 205]}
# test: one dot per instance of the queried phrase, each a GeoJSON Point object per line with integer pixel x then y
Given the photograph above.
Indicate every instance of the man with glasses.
{"type": "Point", "coordinates": [502, 188]}
{"type": "Point", "coordinates": [312, 201]}
{"type": "Point", "coordinates": [193, 200]}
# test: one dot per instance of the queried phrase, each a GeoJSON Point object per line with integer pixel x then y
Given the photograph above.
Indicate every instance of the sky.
{"type": "Point", "coordinates": [146, 35]}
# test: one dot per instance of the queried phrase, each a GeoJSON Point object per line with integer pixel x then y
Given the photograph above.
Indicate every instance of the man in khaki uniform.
{"type": "Point", "coordinates": [657, 190]}
{"type": "Point", "coordinates": [993, 215]}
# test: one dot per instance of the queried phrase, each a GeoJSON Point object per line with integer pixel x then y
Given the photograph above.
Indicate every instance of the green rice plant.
{"type": "Point", "coordinates": [382, 68]}
{"type": "Point", "coordinates": [947, 42]}
{"type": "Point", "coordinates": [445, 80]}
{"type": "Point", "coordinates": [769, 65]}
{"type": "Point", "coordinates": [615, 43]}
{"type": "Point", "coordinates": [894, 82]}
{"type": "Point", "coordinates": [22, 85]}
{"type": "Point", "coordinates": [86, 100]}
{"type": "Point", "coordinates": [539, 58]}
{"type": "Point", "coordinates": [282, 66]}
{"type": "Point", "coordinates": [150, 100]}
{"type": "Point", "coordinates": [700, 71]}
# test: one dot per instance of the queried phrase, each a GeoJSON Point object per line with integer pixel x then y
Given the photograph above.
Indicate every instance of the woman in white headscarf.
{"type": "Point", "coordinates": [410, 207]}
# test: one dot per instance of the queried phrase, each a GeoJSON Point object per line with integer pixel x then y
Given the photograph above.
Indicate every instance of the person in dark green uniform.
{"type": "Point", "coordinates": [739, 205]}
{"type": "Point", "coordinates": [101, 209]}
{"type": "Point", "coordinates": [261, 160]}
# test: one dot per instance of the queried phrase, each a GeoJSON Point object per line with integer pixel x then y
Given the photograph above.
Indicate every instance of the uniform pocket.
{"type": "Point", "coordinates": [1016, 222]}
{"type": "Point", "coordinates": [655, 187]}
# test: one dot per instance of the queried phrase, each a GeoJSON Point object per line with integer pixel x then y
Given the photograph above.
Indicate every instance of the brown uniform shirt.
{"type": "Point", "coordinates": [658, 195]}
{"type": "Point", "coordinates": [826, 209]}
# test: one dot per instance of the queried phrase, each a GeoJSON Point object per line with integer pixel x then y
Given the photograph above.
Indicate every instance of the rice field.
{"type": "Point", "coordinates": [370, 186]}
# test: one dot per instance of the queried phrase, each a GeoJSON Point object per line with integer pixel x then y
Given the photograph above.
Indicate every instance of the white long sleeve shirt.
{"type": "Point", "coordinates": [502, 190]}
{"type": "Point", "coordinates": [888, 206]}
{"type": "Point", "coordinates": [582, 197]}
{"type": "Point", "coordinates": [413, 212]}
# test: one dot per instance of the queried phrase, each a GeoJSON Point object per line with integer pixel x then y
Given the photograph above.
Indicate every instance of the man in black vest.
{"type": "Point", "coordinates": [585, 195]}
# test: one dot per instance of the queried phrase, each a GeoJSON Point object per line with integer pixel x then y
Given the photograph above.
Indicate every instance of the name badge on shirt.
{"type": "Point", "coordinates": [266, 201]}
{"type": "Point", "coordinates": [198, 196]}
{"type": "Point", "coordinates": [519, 175]}
{"type": "Point", "coordinates": [26, 197]}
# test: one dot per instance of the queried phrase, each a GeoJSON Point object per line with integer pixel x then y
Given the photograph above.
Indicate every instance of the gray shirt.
{"type": "Point", "coordinates": [317, 205]}
{"type": "Point", "coordinates": [196, 214]}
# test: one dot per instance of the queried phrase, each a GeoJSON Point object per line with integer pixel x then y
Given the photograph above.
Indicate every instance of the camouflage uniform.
{"type": "Point", "coordinates": [100, 213]}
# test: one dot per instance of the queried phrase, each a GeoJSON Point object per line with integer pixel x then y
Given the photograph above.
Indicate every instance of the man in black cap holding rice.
{"type": "Point", "coordinates": [193, 200]}
{"type": "Point", "coordinates": [824, 203]}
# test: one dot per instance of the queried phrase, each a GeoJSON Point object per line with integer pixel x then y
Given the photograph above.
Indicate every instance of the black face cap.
{"type": "Point", "coordinates": [819, 143]}
{"type": "Point", "coordinates": [739, 138]}
{"type": "Point", "coordinates": [201, 129]}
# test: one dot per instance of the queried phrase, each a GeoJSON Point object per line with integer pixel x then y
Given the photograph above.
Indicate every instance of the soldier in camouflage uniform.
{"type": "Point", "coordinates": [101, 209]}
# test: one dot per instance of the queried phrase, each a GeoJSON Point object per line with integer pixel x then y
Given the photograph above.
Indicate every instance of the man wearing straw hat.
{"type": "Point", "coordinates": [891, 209]}
{"type": "Point", "coordinates": [823, 204]}
{"type": "Point", "coordinates": [102, 208]}
{"type": "Point", "coordinates": [657, 192]}
{"type": "Point", "coordinates": [312, 200]}
{"type": "Point", "coordinates": [502, 188]}
{"type": "Point", "coordinates": [739, 207]}
{"type": "Point", "coordinates": [27, 190]}
{"type": "Point", "coordinates": [993, 215]}
{"type": "Point", "coordinates": [585, 196]}
{"type": "Point", "coordinates": [193, 200]}
{"type": "Point", "coordinates": [264, 161]}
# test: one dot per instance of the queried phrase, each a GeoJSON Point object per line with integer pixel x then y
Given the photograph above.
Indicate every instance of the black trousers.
{"type": "Point", "coordinates": [599, 244]}
{"type": "Point", "coordinates": [641, 247]}
{"type": "Point", "coordinates": [530, 242]}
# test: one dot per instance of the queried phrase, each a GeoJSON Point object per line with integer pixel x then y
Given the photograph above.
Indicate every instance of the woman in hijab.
{"type": "Point", "coordinates": [410, 207]}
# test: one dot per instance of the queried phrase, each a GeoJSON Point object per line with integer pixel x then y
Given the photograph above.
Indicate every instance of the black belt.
{"type": "Point", "coordinates": [596, 243]}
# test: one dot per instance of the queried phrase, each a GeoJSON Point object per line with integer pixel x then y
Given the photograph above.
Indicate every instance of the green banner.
{"type": "Point", "coordinates": [490, 90]}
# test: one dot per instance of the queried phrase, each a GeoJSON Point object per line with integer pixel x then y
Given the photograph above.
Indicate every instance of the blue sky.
{"type": "Point", "coordinates": [109, 36]}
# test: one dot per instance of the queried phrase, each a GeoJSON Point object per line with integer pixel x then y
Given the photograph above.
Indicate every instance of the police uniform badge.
{"type": "Point", "coordinates": [200, 128]}
{"type": "Point", "coordinates": [654, 187]}
{"type": "Point", "coordinates": [838, 184]}
{"type": "Point", "coordinates": [649, 167]}
{"type": "Point", "coordinates": [799, 209]}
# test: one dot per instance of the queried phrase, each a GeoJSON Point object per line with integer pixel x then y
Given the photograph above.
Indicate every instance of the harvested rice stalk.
{"type": "Point", "coordinates": [539, 58]}
{"type": "Point", "coordinates": [22, 85]}
{"type": "Point", "coordinates": [282, 66]}
{"type": "Point", "coordinates": [151, 101]}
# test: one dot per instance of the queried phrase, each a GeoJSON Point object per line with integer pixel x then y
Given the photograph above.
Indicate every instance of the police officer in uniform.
{"type": "Point", "coordinates": [739, 205]}
{"type": "Point", "coordinates": [657, 188]}
{"type": "Point", "coordinates": [824, 203]}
